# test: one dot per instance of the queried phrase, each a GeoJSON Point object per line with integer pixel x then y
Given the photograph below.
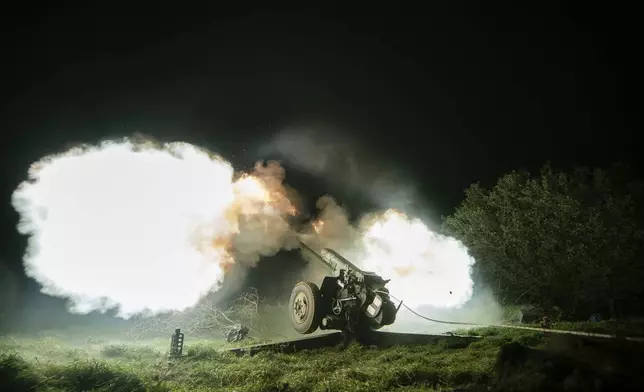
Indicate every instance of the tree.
{"type": "Point", "coordinates": [572, 240]}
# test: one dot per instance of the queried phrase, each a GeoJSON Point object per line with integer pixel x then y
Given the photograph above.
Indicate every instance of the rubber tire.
{"type": "Point", "coordinates": [388, 310]}
{"type": "Point", "coordinates": [314, 299]}
{"type": "Point", "coordinates": [389, 314]}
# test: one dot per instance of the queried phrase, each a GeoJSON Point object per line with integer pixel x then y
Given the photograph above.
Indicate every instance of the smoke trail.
{"type": "Point", "coordinates": [145, 228]}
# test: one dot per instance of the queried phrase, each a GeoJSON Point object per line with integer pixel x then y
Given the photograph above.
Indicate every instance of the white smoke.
{"type": "Point", "coordinates": [143, 228]}
{"type": "Point", "coordinates": [149, 229]}
{"type": "Point", "coordinates": [425, 268]}
{"type": "Point", "coordinates": [430, 272]}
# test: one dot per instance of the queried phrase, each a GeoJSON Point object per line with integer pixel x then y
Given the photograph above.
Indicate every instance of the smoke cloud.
{"type": "Point", "coordinates": [151, 228]}
{"type": "Point", "coordinates": [425, 268]}
{"type": "Point", "coordinates": [429, 272]}
{"type": "Point", "coordinates": [146, 228]}
{"type": "Point", "coordinates": [343, 162]}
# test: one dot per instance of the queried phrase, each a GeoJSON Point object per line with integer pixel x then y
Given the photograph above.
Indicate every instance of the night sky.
{"type": "Point", "coordinates": [442, 96]}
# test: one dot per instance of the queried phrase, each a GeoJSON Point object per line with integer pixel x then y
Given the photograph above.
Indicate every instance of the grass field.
{"type": "Point", "coordinates": [55, 364]}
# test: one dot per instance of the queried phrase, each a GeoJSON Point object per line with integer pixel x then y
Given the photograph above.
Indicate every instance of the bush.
{"type": "Point", "coordinates": [572, 240]}
{"type": "Point", "coordinates": [16, 374]}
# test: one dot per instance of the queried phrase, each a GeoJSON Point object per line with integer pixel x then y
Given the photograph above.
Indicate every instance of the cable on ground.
{"type": "Point", "coordinates": [508, 326]}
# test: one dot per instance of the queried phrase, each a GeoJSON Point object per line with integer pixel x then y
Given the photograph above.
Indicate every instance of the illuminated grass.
{"type": "Point", "coordinates": [206, 368]}
{"type": "Point", "coordinates": [50, 365]}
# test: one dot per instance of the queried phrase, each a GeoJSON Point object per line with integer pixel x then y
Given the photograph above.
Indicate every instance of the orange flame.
{"type": "Point", "coordinates": [318, 226]}
{"type": "Point", "coordinates": [258, 197]}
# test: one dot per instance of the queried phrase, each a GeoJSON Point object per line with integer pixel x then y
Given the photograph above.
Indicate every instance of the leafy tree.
{"type": "Point", "coordinates": [573, 240]}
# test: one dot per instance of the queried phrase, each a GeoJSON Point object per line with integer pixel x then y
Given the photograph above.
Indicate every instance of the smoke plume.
{"type": "Point", "coordinates": [340, 161]}
{"type": "Point", "coordinates": [150, 228]}
{"type": "Point", "coordinates": [146, 228]}
{"type": "Point", "coordinates": [425, 268]}
{"type": "Point", "coordinates": [429, 272]}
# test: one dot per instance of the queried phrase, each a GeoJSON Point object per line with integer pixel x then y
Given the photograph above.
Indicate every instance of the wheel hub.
{"type": "Point", "coordinates": [300, 308]}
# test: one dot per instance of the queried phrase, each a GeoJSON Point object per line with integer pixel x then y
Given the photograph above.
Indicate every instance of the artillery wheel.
{"type": "Point", "coordinates": [304, 307]}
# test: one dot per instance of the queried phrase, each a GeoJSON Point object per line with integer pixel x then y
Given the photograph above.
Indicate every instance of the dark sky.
{"type": "Point", "coordinates": [449, 95]}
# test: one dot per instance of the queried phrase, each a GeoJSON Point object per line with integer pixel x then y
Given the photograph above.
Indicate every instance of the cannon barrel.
{"type": "Point", "coordinates": [332, 256]}
{"type": "Point", "coordinates": [318, 257]}
{"type": "Point", "coordinates": [331, 259]}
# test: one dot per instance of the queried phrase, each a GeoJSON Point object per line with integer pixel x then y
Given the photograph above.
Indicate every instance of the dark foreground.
{"type": "Point", "coordinates": [500, 361]}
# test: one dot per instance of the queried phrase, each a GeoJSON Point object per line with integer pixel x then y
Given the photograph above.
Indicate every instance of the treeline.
{"type": "Point", "coordinates": [574, 240]}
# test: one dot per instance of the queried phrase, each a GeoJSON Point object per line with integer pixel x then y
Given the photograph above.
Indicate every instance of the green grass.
{"type": "Point", "coordinates": [127, 367]}
{"type": "Point", "coordinates": [54, 365]}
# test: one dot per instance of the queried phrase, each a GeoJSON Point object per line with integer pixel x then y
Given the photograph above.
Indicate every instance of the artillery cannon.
{"type": "Point", "coordinates": [351, 300]}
